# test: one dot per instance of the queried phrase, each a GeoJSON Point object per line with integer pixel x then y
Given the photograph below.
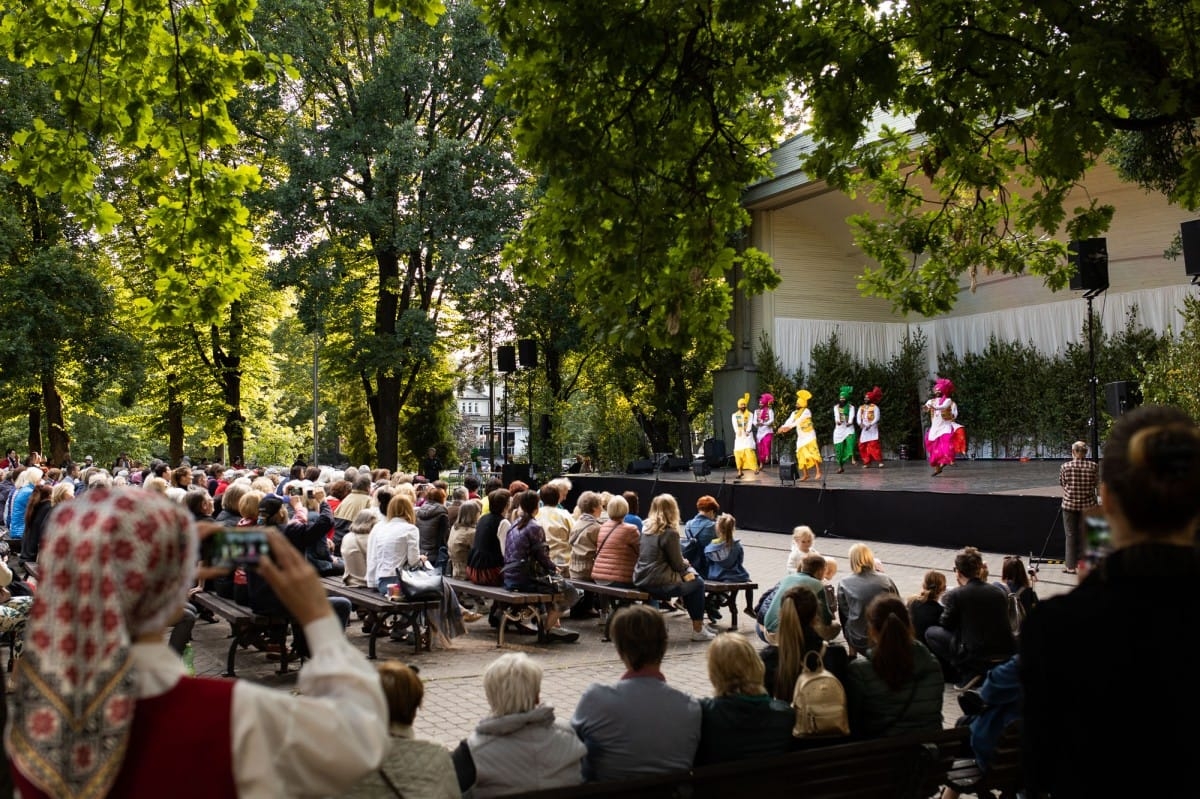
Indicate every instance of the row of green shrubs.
{"type": "Point", "coordinates": [1014, 400]}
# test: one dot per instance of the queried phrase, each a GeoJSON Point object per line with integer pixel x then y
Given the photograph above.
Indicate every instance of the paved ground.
{"type": "Point", "coordinates": [454, 699]}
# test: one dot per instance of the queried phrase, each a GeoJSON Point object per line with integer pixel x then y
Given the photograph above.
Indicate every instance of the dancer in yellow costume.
{"type": "Point", "coordinates": [808, 454]}
{"type": "Point", "coordinates": [743, 437]}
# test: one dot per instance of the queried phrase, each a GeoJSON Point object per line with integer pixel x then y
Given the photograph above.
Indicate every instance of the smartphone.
{"type": "Point", "coordinates": [1099, 540]}
{"type": "Point", "coordinates": [244, 546]}
{"type": "Point", "coordinates": [310, 493]}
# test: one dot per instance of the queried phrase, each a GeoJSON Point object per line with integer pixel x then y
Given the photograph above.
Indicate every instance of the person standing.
{"type": "Point", "coordinates": [1079, 478]}
{"type": "Point", "coordinates": [1070, 658]}
{"type": "Point", "coordinates": [431, 467]}
{"type": "Point", "coordinates": [808, 454]}
{"type": "Point", "coordinates": [868, 429]}
{"type": "Point", "coordinates": [743, 441]}
{"type": "Point", "coordinates": [943, 439]}
{"type": "Point", "coordinates": [764, 419]}
{"type": "Point", "coordinates": [844, 440]}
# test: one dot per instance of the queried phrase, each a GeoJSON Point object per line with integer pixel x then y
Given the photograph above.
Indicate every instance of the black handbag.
{"type": "Point", "coordinates": [420, 584]}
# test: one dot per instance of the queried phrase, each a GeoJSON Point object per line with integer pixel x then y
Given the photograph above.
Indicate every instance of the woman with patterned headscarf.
{"type": "Point", "coordinates": [102, 707]}
{"type": "Point", "coordinates": [946, 436]}
{"type": "Point", "coordinates": [808, 454]}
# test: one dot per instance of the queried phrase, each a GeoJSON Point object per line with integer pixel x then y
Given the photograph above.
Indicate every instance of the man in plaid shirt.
{"type": "Point", "coordinates": [1078, 478]}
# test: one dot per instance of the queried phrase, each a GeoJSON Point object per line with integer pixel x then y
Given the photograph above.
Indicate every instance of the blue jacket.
{"type": "Point", "coordinates": [724, 562]}
{"type": "Point", "coordinates": [698, 534]}
{"type": "Point", "coordinates": [20, 500]}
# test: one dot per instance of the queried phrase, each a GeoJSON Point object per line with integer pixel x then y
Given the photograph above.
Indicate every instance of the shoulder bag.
{"type": "Point", "coordinates": [420, 584]}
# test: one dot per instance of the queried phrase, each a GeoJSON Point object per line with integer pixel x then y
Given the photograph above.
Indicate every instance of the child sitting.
{"type": "Point", "coordinates": [802, 544]}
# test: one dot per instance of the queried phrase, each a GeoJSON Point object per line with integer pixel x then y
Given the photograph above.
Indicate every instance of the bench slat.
{"type": "Point", "coordinates": [516, 606]}
{"type": "Point", "coordinates": [383, 613]}
{"type": "Point", "coordinates": [247, 628]}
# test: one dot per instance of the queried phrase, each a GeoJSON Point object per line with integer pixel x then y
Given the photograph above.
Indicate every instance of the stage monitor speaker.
{"type": "Point", "coordinates": [788, 473]}
{"type": "Point", "coordinates": [1090, 257]}
{"type": "Point", "coordinates": [506, 358]}
{"type": "Point", "coordinates": [641, 466]}
{"type": "Point", "coordinates": [1190, 233]}
{"type": "Point", "coordinates": [700, 468]}
{"type": "Point", "coordinates": [516, 471]}
{"type": "Point", "coordinates": [1121, 397]}
{"type": "Point", "coordinates": [714, 451]}
{"type": "Point", "coordinates": [527, 350]}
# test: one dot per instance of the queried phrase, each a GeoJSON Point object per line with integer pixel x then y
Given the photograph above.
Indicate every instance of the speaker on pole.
{"type": "Point", "coordinates": [506, 356]}
{"type": "Point", "coordinates": [1121, 396]}
{"type": "Point", "coordinates": [1090, 257]}
{"type": "Point", "coordinates": [527, 350]}
{"type": "Point", "coordinates": [1190, 233]}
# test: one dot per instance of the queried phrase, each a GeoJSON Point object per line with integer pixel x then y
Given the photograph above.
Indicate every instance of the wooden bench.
{"type": "Point", "coordinates": [910, 766]}
{"type": "Point", "coordinates": [515, 606]}
{"type": "Point", "coordinates": [247, 628]}
{"type": "Point", "coordinates": [611, 598]}
{"type": "Point", "coordinates": [1004, 776]}
{"type": "Point", "coordinates": [724, 595]}
{"type": "Point", "coordinates": [382, 615]}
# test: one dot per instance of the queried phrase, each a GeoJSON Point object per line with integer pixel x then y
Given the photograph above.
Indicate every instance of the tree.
{"type": "Point", "coordinates": [992, 113]}
{"type": "Point", "coordinates": [399, 191]}
{"type": "Point", "coordinates": [645, 122]}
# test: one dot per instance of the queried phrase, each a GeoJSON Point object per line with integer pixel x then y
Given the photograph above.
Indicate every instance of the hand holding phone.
{"type": "Point", "coordinates": [232, 547]}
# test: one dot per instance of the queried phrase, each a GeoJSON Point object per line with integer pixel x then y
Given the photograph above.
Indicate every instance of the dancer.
{"type": "Point", "coordinates": [843, 429]}
{"type": "Point", "coordinates": [808, 455]}
{"type": "Point", "coordinates": [764, 417]}
{"type": "Point", "coordinates": [743, 441]}
{"type": "Point", "coordinates": [868, 429]}
{"type": "Point", "coordinates": [946, 436]}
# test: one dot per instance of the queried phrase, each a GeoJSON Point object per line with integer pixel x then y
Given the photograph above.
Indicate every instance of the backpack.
{"type": "Point", "coordinates": [819, 701]}
{"type": "Point", "coordinates": [1016, 611]}
{"type": "Point", "coordinates": [763, 604]}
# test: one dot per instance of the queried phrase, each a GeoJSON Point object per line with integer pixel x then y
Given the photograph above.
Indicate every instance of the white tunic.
{"type": "Point", "coordinates": [868, 422]}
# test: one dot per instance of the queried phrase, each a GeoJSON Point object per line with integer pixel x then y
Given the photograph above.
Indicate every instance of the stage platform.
{"type": "Point", "coordinates": [998, 506]}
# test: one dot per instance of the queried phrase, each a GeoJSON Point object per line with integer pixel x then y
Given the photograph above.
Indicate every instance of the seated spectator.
{"type": "Point", "coordinates": [14, 610]}
{"type": "Point", "coordinates": [458, 496]}
{"type": "Point", "coordinates": [618, 545]}
{"type": "Point", "coordinates": [633, 517]}
{"type": "Point", "coordinates": [809, 579]}
{"type": "Point", "coordinates": [411, 766]}
{"type": "Point", "coordinates": [999, 705]}
{"type": "Point", "coordinates": [740, 720]}
{"type": "Point", "coordinates": [661, 570]}
{"type": "Point", "coordinates": [528, 566]}
{"type": "Point", "coordinates": [556, 523]}
{"type": "Point", "coordinates": [797, 636]}
{"type": "Point", "coordinates": [700, 530]}
{"type": "Point", "coordinates": [925, 609]}
{"type": "Point", "coordinates": [129, 689]}
{"type": "Point", "coordinates": [485, 560]}
{"type": "Point", "coordinates": [583, 537]}
{"type": "Point", "coordinates": [973, 633]}
{"type": "Point", "coordinates": [1019, 583]}
{"type": "Point", "coordinates": [433, 522]}
{"type": "Point", "coordinates": [855, 591]}
{"type": "Point", "coordinates": [898, 687]}
{"type": "Point", "coordinates": [462, 537]}
{"type": "Point", "coordinates": [640, 725]}
{"type": "Point", "coordinates": [724, 555]}
{"type": "Point", "coordinates": [394, 544]}
{"type": "Point", "coordinates": [37, 510]}
{"type": "Point", "coordinates": [519, 747]}
{"type": "Point", "coordinates": [355, 545]}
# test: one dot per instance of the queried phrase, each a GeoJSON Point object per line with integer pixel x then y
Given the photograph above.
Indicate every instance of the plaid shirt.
{"type": "Point", "coordinates": [1078, 478]}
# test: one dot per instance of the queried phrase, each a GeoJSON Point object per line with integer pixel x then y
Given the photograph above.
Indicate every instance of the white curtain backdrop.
{"type": "Point", "coordinates": [1048, 328]}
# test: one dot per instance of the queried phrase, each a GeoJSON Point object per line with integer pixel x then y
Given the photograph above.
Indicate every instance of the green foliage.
{"type": "Point", "coordinates": [1171, 377]}
{"type": "Point", "coordinates": [998, 110]}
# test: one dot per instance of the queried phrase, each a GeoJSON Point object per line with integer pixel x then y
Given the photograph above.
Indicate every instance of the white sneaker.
{"type": "Point", "coordinates": [702, 635]}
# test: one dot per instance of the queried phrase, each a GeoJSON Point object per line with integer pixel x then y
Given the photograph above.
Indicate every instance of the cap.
{"type": "Point", "coordinates": [269, 505]}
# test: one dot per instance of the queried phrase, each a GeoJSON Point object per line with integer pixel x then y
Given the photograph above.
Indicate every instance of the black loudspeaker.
{"type": "Point", "coordinates": [788, 473]}
{"type": "Point", "coordinates": [527, 350]}
{"type": "Point", "coordinates": [1121, 396]}
{"type": "Point", "coordinates": [1190, 233]}
{"type": "Point", "coordinates": [516, 471]}
{"type": "Point", "coordinates": [700, 468]}
{"type": "Point", "coordinates": [1090, 257]}
{"type": "Point", "coordinates": [642, 466]}
{"type": "Point", "coordinates": [714, 451]}
{"type": "Point", "coordinates": [506, 357]}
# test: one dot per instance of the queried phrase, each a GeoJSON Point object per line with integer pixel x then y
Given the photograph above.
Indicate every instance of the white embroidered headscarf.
{"type": "Point", "coordinates": [115, 563]}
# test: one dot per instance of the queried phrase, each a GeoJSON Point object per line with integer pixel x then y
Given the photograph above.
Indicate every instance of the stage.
{"type": "Point", "coordinates": [998, 506]}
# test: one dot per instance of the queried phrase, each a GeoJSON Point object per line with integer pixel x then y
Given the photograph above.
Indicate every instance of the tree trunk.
{"type": "Point", "coordinates": [385, 411]}
{"type": "Point", "coordinates": [60, 442]}
{"type": "Point", "coordinates": [35, 422]}
{"type": "Point", "coordinates": [174, 420]}
{"type": "Point", "coordinates": [229, 363]}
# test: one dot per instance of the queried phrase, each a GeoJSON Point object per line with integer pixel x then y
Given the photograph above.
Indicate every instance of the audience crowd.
{"type": "Point", "coordinates": [893, 656]}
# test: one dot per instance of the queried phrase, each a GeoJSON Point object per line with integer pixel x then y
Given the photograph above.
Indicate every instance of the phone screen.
{"type": "Point", "coordinates": [1099, 540]}
{"type": "Point", "coordinates": [235, 547]}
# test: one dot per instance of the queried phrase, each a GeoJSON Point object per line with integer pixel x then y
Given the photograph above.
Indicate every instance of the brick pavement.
{"type": "Point", "coordinates": [454, 699]}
